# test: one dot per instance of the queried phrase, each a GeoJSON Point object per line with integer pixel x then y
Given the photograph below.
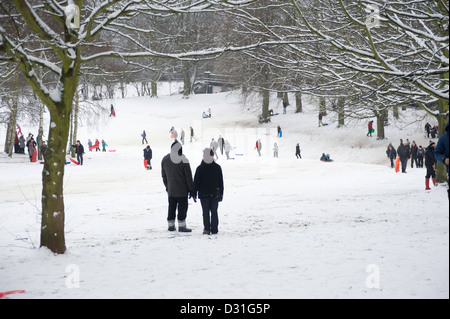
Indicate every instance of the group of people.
{"type": "Point", "coordinates": [96, 146]}
{"type": "Point", "coordinates": [30, 143]}
{"type": "Point", "coordinates": [221, 144]}
{"type": "Point", "coordinates": [207, 185]}
{"type": "Point", "coordinates": [432, 154]}
{"type": "Point", "coordinates": [207, 115]}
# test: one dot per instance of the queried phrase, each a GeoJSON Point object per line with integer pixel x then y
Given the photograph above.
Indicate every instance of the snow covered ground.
{"type": "Point", "coordinates": [288, 228]}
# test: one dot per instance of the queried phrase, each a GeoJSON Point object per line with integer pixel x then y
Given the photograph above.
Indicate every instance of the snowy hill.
{"type": "Point", "coordinates": [288, 228]}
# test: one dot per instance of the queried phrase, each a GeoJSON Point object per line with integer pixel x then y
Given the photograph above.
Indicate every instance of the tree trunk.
{"type": "Point", "coordinates": [41, 130]}
{"type": "Point", "coordinates": [265, 106]}
{"type": "Point", "coordinates": [52, 226]}
{"type": "Point", "coordinates": [298, 102]}
{"type": "Point", "coordinates": [154, 89]}
{"type": "Point", "coordinates": [186, 79]}
{"type": "Point", "coordinates": [11, 130]}
{"type": "Point", "coordinates": [322, 106]}
{"type": "Point", "coordinates": [341, 111]}
{"type": "Point", "coordinates": [381, 116]}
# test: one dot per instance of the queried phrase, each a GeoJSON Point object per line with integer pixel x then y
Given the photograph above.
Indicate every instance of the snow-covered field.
{"type": "Point", "coordinates": [288, 228]}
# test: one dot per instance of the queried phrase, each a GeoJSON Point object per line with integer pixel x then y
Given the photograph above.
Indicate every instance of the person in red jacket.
{"type": "Point", "coordinates": [370, 128]}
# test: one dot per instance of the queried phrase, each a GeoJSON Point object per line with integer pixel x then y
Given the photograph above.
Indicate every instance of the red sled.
{"type": "Point", "coordinates": [112, 151]}
{"type": "Point", "coordinates": [94, 147]}
{"type": "Point", "coordinates": [74, 161]}
{"type": "Point", "coordinates": [145, 163]}
{"type": "Point", "coordinates": [397, 165]}
{"type": "Point", "coordinates": [2, 294]}
{"type": "Point", "coordinates": [34, 156]}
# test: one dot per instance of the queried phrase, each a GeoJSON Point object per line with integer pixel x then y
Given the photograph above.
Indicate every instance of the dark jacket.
{"type": "Point", "coordinates": [442, 147]}
{"type": "Point", "coordinates": [148, 154]}
{"type": "Point", "coordinates": [79, 149]}
{"type": "Point", "coordinates": [176, 173]}
{"type": "Point", "coordinates": [403, 151]}
{"type": "Point", "coordinates": [391, 153]}
{"type": "Point", "coordinates": [208, 181]}
{"type": "Point", "coordinates": [430, 159]}
{"type": "Point", "coordinates": [414, 150]}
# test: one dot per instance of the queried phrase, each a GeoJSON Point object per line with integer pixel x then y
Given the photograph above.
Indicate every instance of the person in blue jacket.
{"type": "Point", "coordinates": [441, 151]}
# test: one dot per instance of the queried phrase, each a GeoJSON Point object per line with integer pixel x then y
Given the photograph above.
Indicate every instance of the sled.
{"type": "Point", "coordinates": [275, 114]}
{"type": "Point", "coordinates": [2, 294]}
{"type": "Point", "coordinates": [239, 154]}
{"type": "Point", "coordinates": [94, 147]}
{"type": "Point", "coordinates": [112, 151]}
{"type": "Point", "coordinates": [373, 130]}
{"type": "Point", "coordinates": [41, 162]}
{"type": "Point", "coordinates": [325, 124]}
{"type": "Point", "coordinates": [74, 161]}
{"type": "Point", "coordinates": [397, 165]}
{"type": "Point", "coordinates": [145, 163]}
{"type": "Point", "coordinates": [34, 156]}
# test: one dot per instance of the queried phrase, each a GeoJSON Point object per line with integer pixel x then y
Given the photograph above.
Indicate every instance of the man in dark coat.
{"type": "Point", "coordinates": [208, 183]}
{"type": "Point", "coordinates": [79, 150]}
{"type": "Point", "coordinates": [414, 151]}
{"type": "Point", "coordinates": [177, 178]}
{"type": "Point", "coordinates": [404, 152]}
{"type": "Point", "coordinates": [148, 155]}
{"type": "Point", "coordinates": [430, 164]}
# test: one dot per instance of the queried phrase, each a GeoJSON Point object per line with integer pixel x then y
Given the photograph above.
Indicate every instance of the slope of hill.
{"type": "Point", "coordinates": [288, 228]}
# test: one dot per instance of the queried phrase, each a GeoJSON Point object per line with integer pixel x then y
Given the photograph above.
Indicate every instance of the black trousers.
{"type": "Point", "coordinates": [430, 172]}
{"type": "Point", "coordinates": [404, 161]}
{"type": "Point", "coordinates": [210, 214]}
{"type": "Point", "coordinates": [80, 159]}
{"type": "Point", "coordinates": [180, 203]}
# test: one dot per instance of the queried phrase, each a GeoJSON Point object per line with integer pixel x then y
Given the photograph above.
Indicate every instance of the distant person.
{"type": "Point", "coordinates": [113, 112]}
{"type": "Point", "coordinates": [148, 155]}
{"type": "Point", "coordinates": [144, 137]}
{"type": "Point", "coordinates": [258, 147]}
{"type": "Point", "coordinates": [391, 154]}
{"type": "Point", "coordinates": [297, 151]}
{"type": "Point", "coordinates": [414, 152]}
{"type": "Point", "coordinates": [430, 164]}
{"type": "Point", "coordinates": [275, 150]}
{"type": "Point", "coordinates": [326, 158]}
{"type": "Point", "coordinates": [370, 127]}
{"type": "Point", "coordinates": [320, 119]}
{"type": "Point", "coordinates": [403, 151]}
{"type": "Point", "coordinates": [420, 156]}
{"type": "Point", "coordinates": [43, 149]}
{"type": "Point", "coordinates": [285, 105]}
{"type": "Point", "coordinates": [104, 145]}
{"type": "Point", "coordinates": [192, 133]}
{"type": "Point", "coordinates": [227, 149]}
{"type": "Point", "coordinates": [428, 129]}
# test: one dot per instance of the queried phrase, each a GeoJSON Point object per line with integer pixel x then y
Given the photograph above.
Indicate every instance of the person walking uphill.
{"type": "Point", "coordinates": [177, 178]}
{"type": "Point", "coordinates": [208, 185]}
{"type": "Point", "coordinates": [403, 152]}
{"type": "Point", "coordinates": [430, 164]}
{"type": "Point", "coordinates": [148, 155]}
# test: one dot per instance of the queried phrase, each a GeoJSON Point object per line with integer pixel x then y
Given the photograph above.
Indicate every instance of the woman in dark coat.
{"type": "Point", "coordinates": [430, 164]}
{"type": "Point", "coordinates": [208, 183]}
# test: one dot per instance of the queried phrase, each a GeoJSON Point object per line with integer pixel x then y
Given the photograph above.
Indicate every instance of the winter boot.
{"type": "Point", "coordinates": [427, 184]}
{"type": "Point", "coordinates": [182, 227]}
{"type": "Point", "coordinates": [434, 181]}
{"type": "Point", "coordinates": [172, 225]}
